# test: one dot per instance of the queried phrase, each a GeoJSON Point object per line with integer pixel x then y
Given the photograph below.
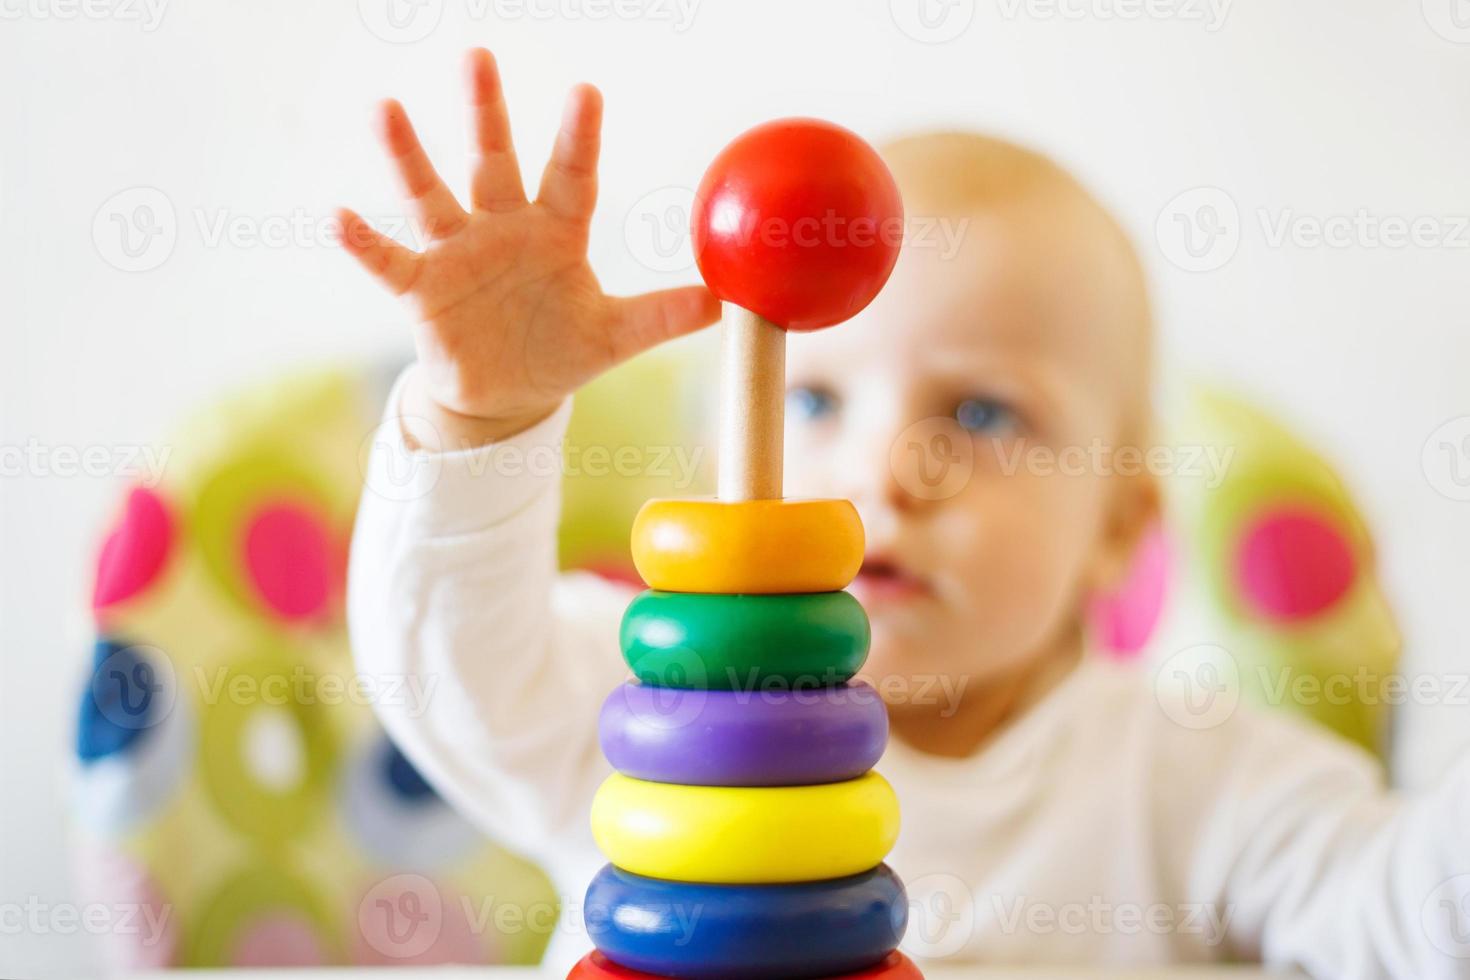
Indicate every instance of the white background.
{"type": "Point", "coordinates": [257, 113]}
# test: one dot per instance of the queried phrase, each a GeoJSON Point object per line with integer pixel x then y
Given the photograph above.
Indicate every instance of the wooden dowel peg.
{"type": "Point", "coordinates": [752, 406]}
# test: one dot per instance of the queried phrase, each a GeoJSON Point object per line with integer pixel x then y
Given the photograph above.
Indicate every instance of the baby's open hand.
{"type": "Point", "coordinates": [509, 316]}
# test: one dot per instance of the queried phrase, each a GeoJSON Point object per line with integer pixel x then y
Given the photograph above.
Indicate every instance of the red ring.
{"type": "Point", "coordinates": [595, 966]}
{"type": "Point", "coordinates": [895, 967]}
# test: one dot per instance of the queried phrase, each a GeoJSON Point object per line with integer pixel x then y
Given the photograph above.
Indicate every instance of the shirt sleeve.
{"type": "Point", "coordinates": [1315, 865]}
{"type": "Point", "coordinates": [453, 588]}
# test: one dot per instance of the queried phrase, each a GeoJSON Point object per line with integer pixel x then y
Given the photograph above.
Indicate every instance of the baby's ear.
{"type": "Point", "coordinates": [1135, 506]}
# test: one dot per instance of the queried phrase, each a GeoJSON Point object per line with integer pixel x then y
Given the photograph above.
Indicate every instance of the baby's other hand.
{"type": "Point", "coordinates": [509, 317]}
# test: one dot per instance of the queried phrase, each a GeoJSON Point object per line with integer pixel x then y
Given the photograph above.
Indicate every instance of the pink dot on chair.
{"type": "Point", "coordinates": [113, 879]}
{"type": "Point", "coordinates": [1293, 564]}
{"type": "Point", "coordinates": [135, 552]}
{"type": "Point", "coordinates": [1125, 619]}
{"type": "Point", "coordinates": [407, 920]}
{"type": "Point", "coordinates": [289, 555]}
{"type": "Point", "coordinates": [279, 940]}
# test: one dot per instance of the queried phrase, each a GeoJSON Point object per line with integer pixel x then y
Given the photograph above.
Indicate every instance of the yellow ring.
{"type": "Point", "coordinates": [745, 835]}
{"type": "Point", "coordinates": [750, 546]}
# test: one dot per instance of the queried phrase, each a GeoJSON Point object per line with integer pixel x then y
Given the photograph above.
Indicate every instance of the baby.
{"type": "Point", "coordinates": [1053, 811]}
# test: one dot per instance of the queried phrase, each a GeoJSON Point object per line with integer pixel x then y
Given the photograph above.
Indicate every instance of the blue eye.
{"type": "Point", "coordinates": [810, 403]}
{"type": "Point", "coordinates": [986, 416]}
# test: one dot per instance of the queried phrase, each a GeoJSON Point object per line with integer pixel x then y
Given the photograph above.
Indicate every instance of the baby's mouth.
{"type": "Point", "coordinates": [883, 580]}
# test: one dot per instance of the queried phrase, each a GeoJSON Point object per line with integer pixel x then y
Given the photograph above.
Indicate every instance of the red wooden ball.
{"type": "Point", "coordinates": [797, 220]}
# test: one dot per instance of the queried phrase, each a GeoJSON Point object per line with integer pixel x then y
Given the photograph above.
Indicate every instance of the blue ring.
{"type": "Point", "coordinates": [746, 932]}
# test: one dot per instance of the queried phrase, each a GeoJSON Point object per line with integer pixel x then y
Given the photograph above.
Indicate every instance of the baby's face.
{"type": "Point", "coordinates": [942, 412]}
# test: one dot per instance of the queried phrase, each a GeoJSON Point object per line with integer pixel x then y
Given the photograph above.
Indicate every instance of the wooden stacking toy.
{"type": "Point", "coordinates": [745, 829]}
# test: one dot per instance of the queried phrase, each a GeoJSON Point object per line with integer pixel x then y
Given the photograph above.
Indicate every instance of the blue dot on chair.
{"type": "Point", "coordinates": [121, 702]}
{"type": "Point", "coordinates": [402, 778]}
{"type": "Point", "coordinates": [136, 737]}
{"type": "Point", "coordinates": [395, 815]}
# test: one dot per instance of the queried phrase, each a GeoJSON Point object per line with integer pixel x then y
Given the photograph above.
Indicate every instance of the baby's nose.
{"type": "Point", "coordinates": [879, 484]}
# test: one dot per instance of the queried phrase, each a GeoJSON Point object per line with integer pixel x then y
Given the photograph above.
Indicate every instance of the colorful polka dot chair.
{"type": "Point", "coordinates": [233, 784]}
{"type": "Point", "coordinates": [1263, 555]}
{"type": "Point", "coordinates": [232, 779]}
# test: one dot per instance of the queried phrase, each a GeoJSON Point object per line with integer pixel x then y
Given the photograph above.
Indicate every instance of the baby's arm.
{"type": "Point", "coordinates": [453, 586]}
{"type": "Point", "coordinates": [1318, 866]}
{"type": "Point", "coordinates": [452, 581]}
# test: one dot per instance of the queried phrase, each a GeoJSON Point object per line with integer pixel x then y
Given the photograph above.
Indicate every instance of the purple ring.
{"type": "Point", "coordinates": [791, 737]}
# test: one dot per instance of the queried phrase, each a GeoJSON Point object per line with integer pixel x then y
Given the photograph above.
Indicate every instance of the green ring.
{"type": "Point", "coordinates": [744, 642]}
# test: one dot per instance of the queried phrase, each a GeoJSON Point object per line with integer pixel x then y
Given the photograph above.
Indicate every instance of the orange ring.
{"type": "Point", "coordinates": [748, 546]}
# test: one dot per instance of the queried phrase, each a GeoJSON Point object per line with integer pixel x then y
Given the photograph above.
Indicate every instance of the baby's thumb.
{"type": "Point", "coordinates": [640, 322]}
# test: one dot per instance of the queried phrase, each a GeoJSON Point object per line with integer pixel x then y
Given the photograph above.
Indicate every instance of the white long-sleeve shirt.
{"type": "Point", "coordinates": [1116, 822]}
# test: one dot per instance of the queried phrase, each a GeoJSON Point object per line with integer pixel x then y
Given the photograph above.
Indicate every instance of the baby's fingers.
{"type": "Point", "coordinates": [392, 264]}
{"type": "Point", "coordinates": [435, 207]}
{"type": "Point", "coordinates": [569, 185]}
{"type": "Point", "coordinates": [497, 176]}
{"type": "Point", "coordinates": [640, 322]}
